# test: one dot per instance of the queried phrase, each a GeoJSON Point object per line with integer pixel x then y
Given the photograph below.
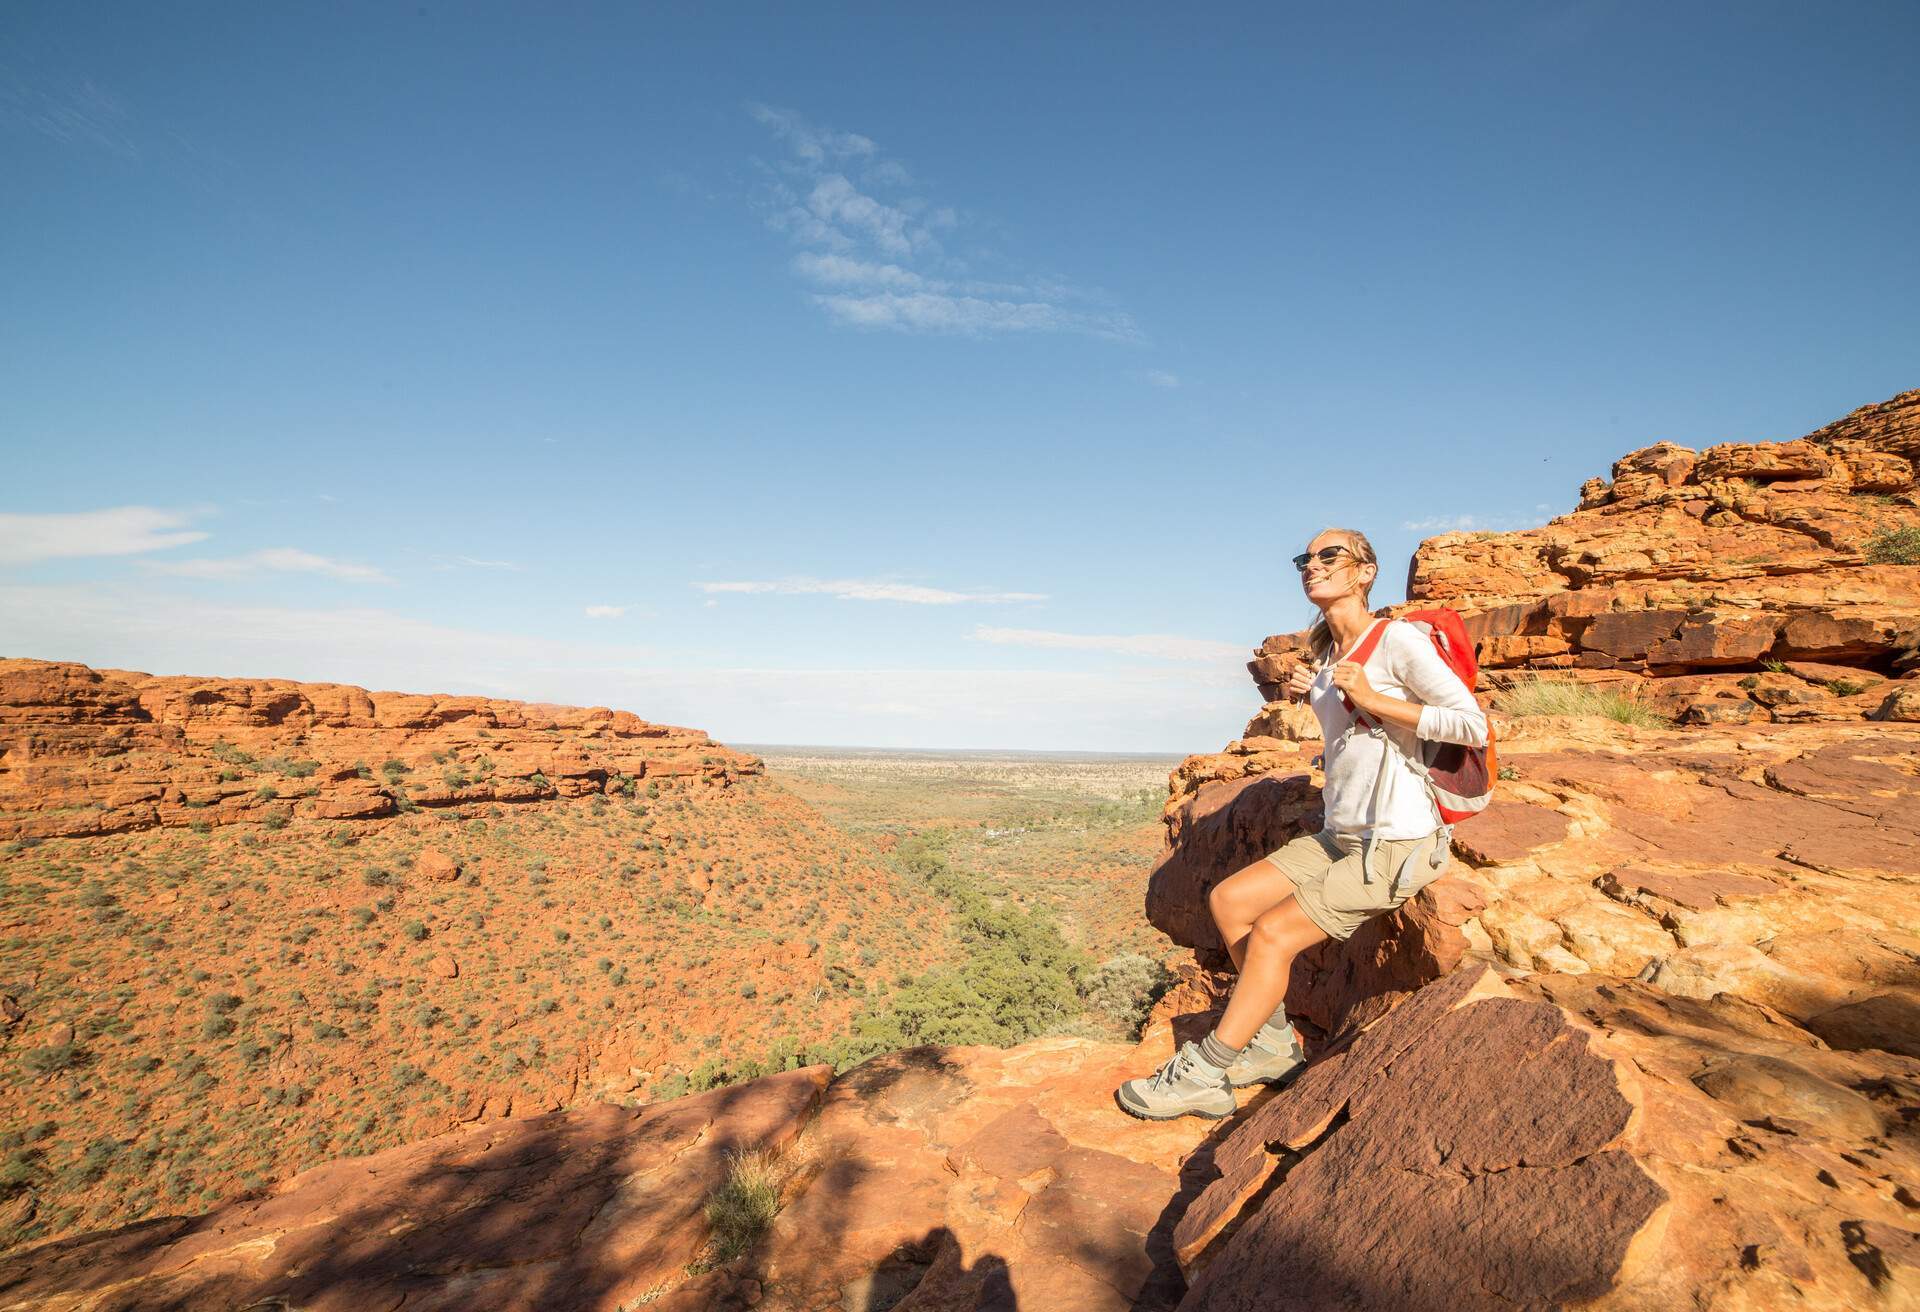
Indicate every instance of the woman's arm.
{"type": "Point", "coordinates": [1444, 710]}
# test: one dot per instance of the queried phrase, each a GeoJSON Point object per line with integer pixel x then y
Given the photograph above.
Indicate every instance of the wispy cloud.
{"type": "Point", "coordinates": [74, 112]}
{"type": "Point", "coordinates": [1477, 523]}
{"type": "Point", "coordinates": [605, 612]}
{"type": "Point", "coordinates": [472, 562]}
{"type": "Point", "coordinates": [1161, 378]}
{"type": "Point", "coordinates": [271, 560]}
{"type": "Point", "coordinates": [1161, 646]}
{"type": "Point", "coordinates": [869, 590]}
{"type": "Point", "coordinates": [874, 248]}
{"type": "Point", "coordinates": [121, 531]}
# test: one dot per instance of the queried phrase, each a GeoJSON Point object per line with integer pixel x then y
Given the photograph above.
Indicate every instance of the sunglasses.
{"type": "Point", "coordinates": [1326, 556]}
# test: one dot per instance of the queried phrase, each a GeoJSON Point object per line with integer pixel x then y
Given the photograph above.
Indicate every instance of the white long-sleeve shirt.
{"type": "Point", "coordinates": [1403, 664]}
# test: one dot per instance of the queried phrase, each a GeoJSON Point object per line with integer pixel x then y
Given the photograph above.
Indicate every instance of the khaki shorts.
{"type": "Point", "coordinates": [1327, 879]}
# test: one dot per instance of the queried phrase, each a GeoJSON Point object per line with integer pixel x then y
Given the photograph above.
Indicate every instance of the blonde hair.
{"type": "Point", "coordinates": [1320, 635]}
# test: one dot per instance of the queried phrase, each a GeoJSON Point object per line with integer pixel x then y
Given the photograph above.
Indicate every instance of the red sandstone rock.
{"type": "Point", "coordinates": [436, 865]}
{"type": "Point", "coordinates": [106, 751]}
{"type": "Point", "coordinates": [590, 1209]}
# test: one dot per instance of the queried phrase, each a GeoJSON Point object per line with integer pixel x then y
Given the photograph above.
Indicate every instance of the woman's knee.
{"type": "Point", "coordinates": [1239, 898]}
{"type": "Point", "coordinates": [1220, 902]}
{"type": "Point", "coordinates": [1285, 929]}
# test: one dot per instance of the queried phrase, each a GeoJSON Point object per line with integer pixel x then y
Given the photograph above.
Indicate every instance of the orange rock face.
{"type": "Point", "coordinates": [105, 751]}
{"type": "Point", "coordinates": [1721, 559]}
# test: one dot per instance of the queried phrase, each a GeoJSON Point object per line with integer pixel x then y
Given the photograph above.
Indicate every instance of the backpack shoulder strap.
{"type": "Point", "coordinates": [1360, 654]}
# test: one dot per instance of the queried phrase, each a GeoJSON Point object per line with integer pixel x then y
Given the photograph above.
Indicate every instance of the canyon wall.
{"type": "Point", "coordinates": [86, 751]}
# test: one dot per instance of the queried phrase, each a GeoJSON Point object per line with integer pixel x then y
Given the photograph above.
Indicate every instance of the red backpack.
{"type": "Point", "coordinates": [1459, 778]}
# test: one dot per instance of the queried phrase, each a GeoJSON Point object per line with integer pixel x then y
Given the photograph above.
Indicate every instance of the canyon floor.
{"type": "Point", "coordinates": [1064, 831]}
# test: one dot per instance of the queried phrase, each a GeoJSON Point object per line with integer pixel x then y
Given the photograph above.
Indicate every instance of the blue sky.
{"type": "Point", "coordinates": [887, 377]}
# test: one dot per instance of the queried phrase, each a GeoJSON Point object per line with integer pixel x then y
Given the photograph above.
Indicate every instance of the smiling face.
{"type": "Point", "coordinates": [1324, 582]}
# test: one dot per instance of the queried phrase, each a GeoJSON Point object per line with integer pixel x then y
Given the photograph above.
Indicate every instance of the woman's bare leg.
{"type": "Point", "coordinates": [1240, 899]}
{"type": "Point", "coordinates": [1266, 961]}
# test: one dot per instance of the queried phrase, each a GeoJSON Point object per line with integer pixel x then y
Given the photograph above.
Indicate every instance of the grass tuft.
{"type": "Point", "coordinates": [743, 1206]}
{"type": "Point", "coordinates": [1537, 696]}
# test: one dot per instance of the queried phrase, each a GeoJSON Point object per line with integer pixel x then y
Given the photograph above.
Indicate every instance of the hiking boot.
{"type": "Point", "coordinates": [1269, 1059]}
{"type": "Point", "coordinates": [1187, 1085]}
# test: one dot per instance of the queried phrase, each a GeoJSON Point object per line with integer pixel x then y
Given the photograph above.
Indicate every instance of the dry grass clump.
{"type": "Point", "coordinates": [742, 1206]}
{"type": "Point", "coordinates": [1532, 695]}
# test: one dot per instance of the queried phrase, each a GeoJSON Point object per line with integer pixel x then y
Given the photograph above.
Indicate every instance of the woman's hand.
{"type": "Point", "coordinates": [1351, 679]}
{"type": "Point", "coordinates": [1299, 683]}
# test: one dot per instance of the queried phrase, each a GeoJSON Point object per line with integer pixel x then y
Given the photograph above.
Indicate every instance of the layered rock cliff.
{"type": "Point", "coordinates": [86, 751]}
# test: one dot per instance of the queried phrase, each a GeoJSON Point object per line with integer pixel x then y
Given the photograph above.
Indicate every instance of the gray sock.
{"type": "Point", "coordinates": [1277, 1024]}
{"type": "Point", "coordinates": [1219, 1052]}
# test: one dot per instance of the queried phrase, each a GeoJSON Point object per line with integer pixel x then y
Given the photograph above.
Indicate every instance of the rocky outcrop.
{"type": "Point", "coordinates": [86, 751]}
{"type": "Point", "coordinates": [1724, 559]}
{"type": "Point", "coordinates": [1669, 1059]}
{"type": "Point", "coordinates": [1739, 590]}
{"type": "Point", "coordinates": [930, 1178]}
{"type": "Point", "coordinates": [1556, 1141]}
{"type": "Point", "coordinates": [594, 1208]}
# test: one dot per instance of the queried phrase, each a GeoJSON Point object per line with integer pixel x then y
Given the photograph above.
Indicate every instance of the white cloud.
{"type": "Point", "coordinates": [840, 271]}
{"type": "Point", "coordinates": [1161, 378]}
{"type": "Point", "coordinates": [122, 531]}
{"type": "Point", "coordinates": [1472, 523]}
{"type": "Point", "coordinates": [471, 562]}
{"type": "Point", "coordinates": [837, 203]}
{"type": "Point", "coordinates": [869, 590]}
{"type": "Point", "coordinates": [1161, 646]}
{"type": "Point", "coordinates": [969, 316]}
{"type": "Point", "coordinates": [878, 241]}
{"type": "Point", "coordinates": [605, 612]}
{"type": "Point", "coordinates": [816, 145]}
{"type": "Point", "coordinates": [277, 560]}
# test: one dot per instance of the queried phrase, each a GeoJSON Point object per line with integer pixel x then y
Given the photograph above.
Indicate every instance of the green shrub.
{"type": "Point", "coordinates": [414, 930]}
{"type": "Point", "coordinates": [16, 1173]}
{"type": "Point", "coordinates": [1124, 989]}
{"type": "Point", "coordinates": [1897, 544]}
{"type": "Point", "coordinates": [54, 1057]}
{"type": "Point", "coordinates": [1845, 687]}
{"type": "Point", "coordinates": [1537, 696]}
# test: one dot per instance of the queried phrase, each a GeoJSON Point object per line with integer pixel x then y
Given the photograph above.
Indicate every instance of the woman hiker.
{"type": "Point", "coordinates": [1380, 844]}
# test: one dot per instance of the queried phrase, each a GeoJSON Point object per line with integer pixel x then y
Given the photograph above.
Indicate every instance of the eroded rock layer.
{"type": "Point", "coordinates": [86, 751]}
